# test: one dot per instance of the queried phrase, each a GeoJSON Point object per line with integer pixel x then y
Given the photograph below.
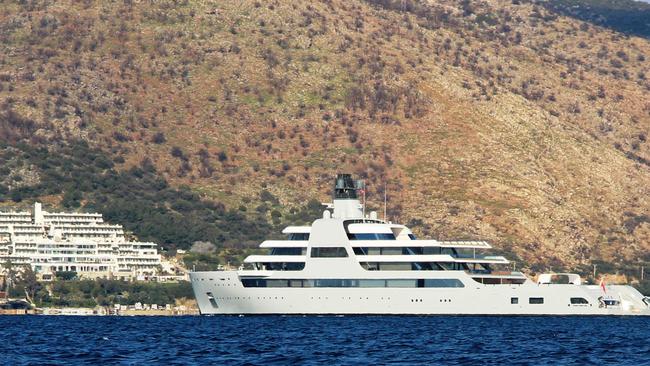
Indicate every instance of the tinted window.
{"type": "Point", "coordinates": [412, 251]}
{"type": "Point", "coordinates": [401, 266]}
{"type": "Point", "coordinates": [247, 282]}
{"type": "Point", "coordinates": [325, 252]}
{"type": "Point", "coordinates": [335, 283]}
{"type": "Point", "coordinates": [288, 251]}
{"type": "Point", "coordinates": [401, 283]}
{"type": "Point", "coordinates": [360, 251]}
{"type": "Point", "coordinates": [443, 282]}
{"type": "Point", "coordinates": [284, 266]}
{"type": "Point", "coordinates": [425, 266]}
{"type": "Point", "coordinates": [299, 236]}
{"type": "Point", "coordinates": [514, 300]}
{"type": "Point", "coordinates": [371, 236]}
{"type": "Point", "coordinates": [277, 283]}
{"type": "Point", "coordinates": [536, 300]}
{"type": "Point", "coordinates": [394, 251]}
{"type": "Point", "coordinates": [578, 301]}
{"type": "Point", "coordinates": [454, 266]}
{"type": "Point", "coordinates": [412, 237]}
{"type": "Point", "coordinates": [396, 283]}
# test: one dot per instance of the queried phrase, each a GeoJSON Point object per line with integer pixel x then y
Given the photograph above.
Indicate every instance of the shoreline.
{"type": "Point", "coordinates": [97, 312]}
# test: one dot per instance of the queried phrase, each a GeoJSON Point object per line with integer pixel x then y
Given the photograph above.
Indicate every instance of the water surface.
{"type": "Point", "coordinates": [324, 340]}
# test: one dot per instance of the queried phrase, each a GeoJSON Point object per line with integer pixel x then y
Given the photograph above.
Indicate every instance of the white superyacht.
{"type": "Point", "coordinates": [347, 263]}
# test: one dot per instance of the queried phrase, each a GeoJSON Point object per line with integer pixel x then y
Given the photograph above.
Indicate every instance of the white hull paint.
{"type": "Point", "coordinates": [228, 296]}
{"type": "Point", "coordinates": [416, 277]}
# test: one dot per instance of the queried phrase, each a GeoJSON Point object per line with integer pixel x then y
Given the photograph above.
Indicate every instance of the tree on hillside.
{"type": "Point", "coordinates": [29, 282]}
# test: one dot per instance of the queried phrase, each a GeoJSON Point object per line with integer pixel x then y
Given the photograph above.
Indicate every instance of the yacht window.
{"type": "Point", "coordinates": [401, 266]}
{"type": "Point", "coordinates": [610, 302]}
{"type": "Point", "coordinates": [250, 282]}
{"type": "Point", "coordinates": [277, 283]}
{"type": "Point", "coordinates": [336, 283]}
{"type": "Point", "coordinates": [372, 283]}
{"type": "Point", "coordinates": [412, 251]}
{"type": "Point", "coordinates": [391, 251]}
{"type": "Point", "coordinates": [288, 251]}
{"type": "Point", "coordinates": [395, 250]}
{"type": "Point", "coordinates": [424, 266]}
{"type": "Point", "coordinates": [579, 301]}
{"type": "Point", "coordinates": [401, 283]}
{"type": "Point", "coordinates": [360, 251]}
{"type": "Point", "coordinates": [371, 236]}
{"type": "Point", "coordinates": [535, 300]}
{"type": "Point", "coordinates": [431, 250]}
{"type": "Point", "coordinates": [396, 266]}
{"type": "Point", "coordinates": [454, 266]}
{"type": "Point", "coordinates": [299, 236]}
{"type": "Point", "coordinates": [284, 266]}
{"type": "Point", "coordinates": [412, 237]}
{"type": "Point", "coordinates": [451, 251]}
{"type": "Point", "coordinates": [395, 283]}
{"type": "Point", "coordinates": [441, 282]}
{"type": "Point", "coordinates": [329, 252]}
{"type": "Point", "coordinates": [514, 300]}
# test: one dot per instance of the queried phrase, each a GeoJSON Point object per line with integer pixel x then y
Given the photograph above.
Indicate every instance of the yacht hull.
{"type": "Point", "coordinates": [221, 292]}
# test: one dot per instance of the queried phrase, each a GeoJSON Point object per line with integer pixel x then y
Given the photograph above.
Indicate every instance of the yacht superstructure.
{"type": "Point", "coordinates": [347, 263]}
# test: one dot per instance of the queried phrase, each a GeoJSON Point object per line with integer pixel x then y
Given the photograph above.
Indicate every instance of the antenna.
{"type": "Point", "coordinates": [363, 192]}
{"type": "Point", "coordinates": [364, 198]}
{"type": "Point", "coordinates": [385, 195]}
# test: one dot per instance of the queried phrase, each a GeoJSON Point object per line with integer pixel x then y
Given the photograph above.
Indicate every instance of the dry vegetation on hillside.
{"type": "Point", "coordinates": [488, 119]}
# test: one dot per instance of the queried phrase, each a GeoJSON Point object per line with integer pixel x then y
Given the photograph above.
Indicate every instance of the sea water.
{"type": "Point", "coordinates": [296, 340]}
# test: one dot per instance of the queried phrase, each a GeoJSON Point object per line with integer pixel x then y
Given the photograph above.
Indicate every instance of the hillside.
{"type": "Point", "coordinates": [502, 120]}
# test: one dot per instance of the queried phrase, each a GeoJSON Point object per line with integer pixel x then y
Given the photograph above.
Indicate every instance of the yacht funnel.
{"type": "Point", "coordinates": [344, 187]}
{"type": "Point", "coordinates": [346, 201]}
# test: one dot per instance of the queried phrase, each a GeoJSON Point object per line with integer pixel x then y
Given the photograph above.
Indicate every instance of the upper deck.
{"type": "Point", "coordinates": [346, 241]}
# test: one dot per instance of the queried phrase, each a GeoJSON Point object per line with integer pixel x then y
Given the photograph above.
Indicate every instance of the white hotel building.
{"type": "Point", "coordinates": [79, 242]}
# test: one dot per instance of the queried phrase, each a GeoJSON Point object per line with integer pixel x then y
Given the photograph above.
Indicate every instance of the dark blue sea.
{"type": "Point", "coordinates": [324, 340]}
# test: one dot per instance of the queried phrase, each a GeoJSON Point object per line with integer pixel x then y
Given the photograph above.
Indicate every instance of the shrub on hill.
{"type": "Point", "coordinates": [142, 201]}
{"type": "Point", "coordinates": [102, 292]}
{"type": "Point", "coordinates": [137, 198]}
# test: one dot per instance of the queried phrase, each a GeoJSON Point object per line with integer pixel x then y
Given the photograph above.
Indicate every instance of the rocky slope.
{"type": "Point", "coordinates": [501, 120]}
